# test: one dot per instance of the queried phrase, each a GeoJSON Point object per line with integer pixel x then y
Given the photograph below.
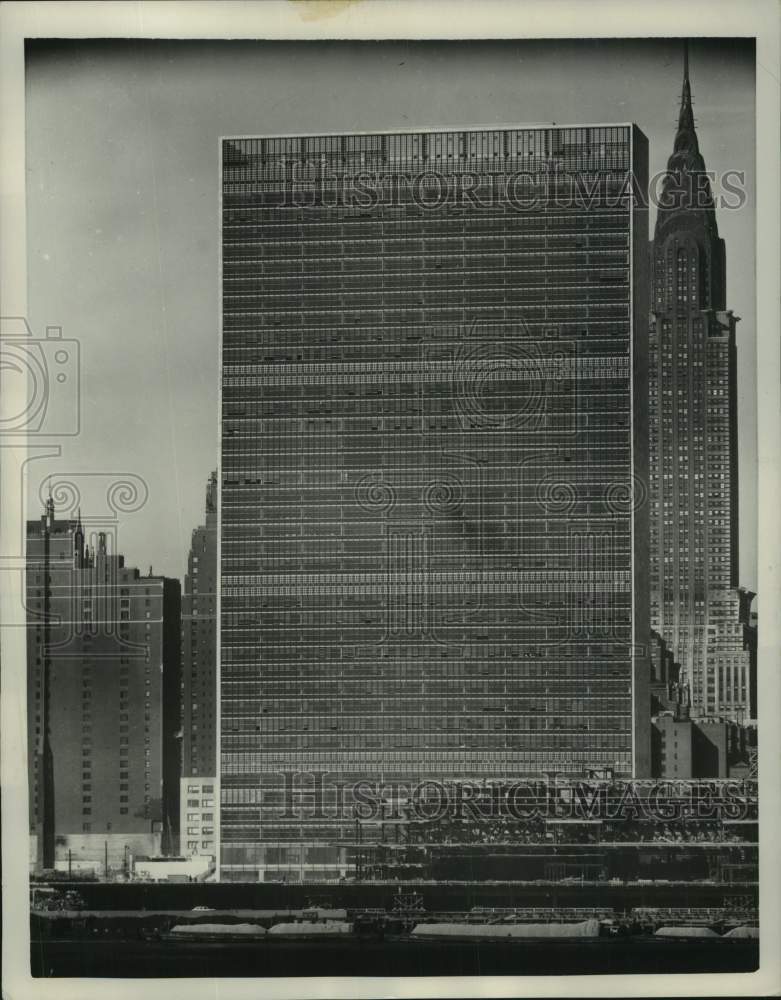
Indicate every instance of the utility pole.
{"type": "Point", "coordinates": [105, 847]}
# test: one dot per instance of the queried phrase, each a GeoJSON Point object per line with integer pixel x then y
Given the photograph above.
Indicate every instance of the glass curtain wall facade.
{"type": "Point", "coordinates": [433, 435]}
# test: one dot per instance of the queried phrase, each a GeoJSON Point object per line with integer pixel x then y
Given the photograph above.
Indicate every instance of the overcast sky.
{"type": "Point", "coordinates": [122, 189]}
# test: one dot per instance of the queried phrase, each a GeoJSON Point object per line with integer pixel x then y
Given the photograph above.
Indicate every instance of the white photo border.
{"type": "Point", "coordinates": [400, 20]}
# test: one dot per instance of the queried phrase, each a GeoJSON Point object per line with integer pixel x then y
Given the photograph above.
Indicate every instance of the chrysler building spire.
{"type": "Point", "coordinates": [686, 200]}
{"type": "Point", "coordinates": [693, 437]}
{"type": "Point", "coordinates": [686, 153]}
{"type": "Point", "coordinates": [686, 115]}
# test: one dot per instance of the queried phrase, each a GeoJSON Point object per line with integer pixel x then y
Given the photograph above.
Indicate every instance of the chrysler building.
{"type": "Point", "coordinates": [693, 438]}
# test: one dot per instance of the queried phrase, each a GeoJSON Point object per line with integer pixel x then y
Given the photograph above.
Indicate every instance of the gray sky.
{"type": "Point", "coordinates": [122, 185]}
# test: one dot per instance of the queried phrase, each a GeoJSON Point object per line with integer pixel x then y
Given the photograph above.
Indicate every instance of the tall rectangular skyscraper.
{"type": "Point", "coordinates": [103, 675]}
{"type": "Point", "coordinates": [432, 523]}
